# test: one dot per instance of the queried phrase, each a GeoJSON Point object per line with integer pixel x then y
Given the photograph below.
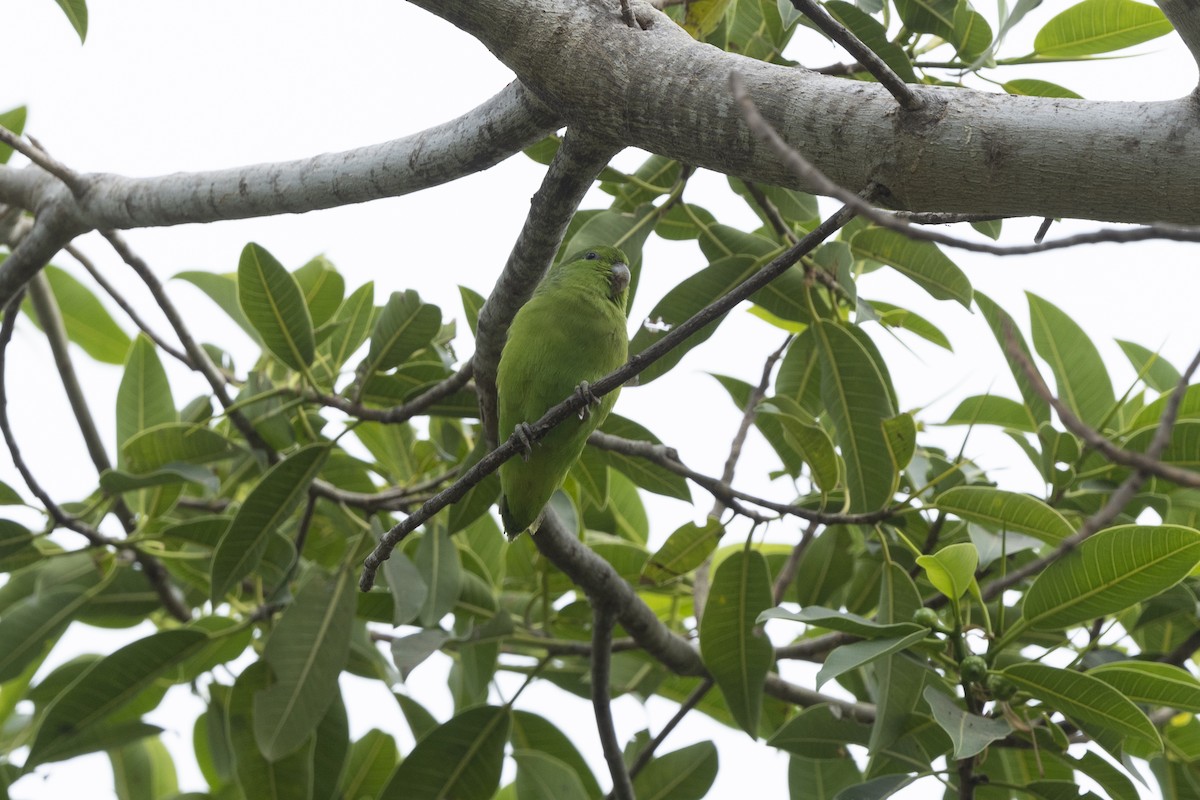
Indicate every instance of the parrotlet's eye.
{"type": "Point", "coordinates": [591, 256]}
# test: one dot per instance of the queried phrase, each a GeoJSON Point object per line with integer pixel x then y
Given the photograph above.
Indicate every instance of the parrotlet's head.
{"type": "Point", "coordinates": [607, 268]}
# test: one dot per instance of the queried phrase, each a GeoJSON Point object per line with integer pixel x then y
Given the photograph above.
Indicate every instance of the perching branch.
{"type": "Point", "coordinates": [905, 95]}
{"type": "Point", "coordinates": [576, 164]}
{"type": "Point", "coordinates": [402, 412]}
{"type": "Point", "coordinates": [602, 629]}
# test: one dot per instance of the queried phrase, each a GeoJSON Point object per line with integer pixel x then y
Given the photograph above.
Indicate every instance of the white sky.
{"type": "Point", "coordinates": [183, 86]}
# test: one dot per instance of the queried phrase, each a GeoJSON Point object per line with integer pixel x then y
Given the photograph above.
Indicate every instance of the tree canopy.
{"type": "Point", "coordinates": [326, 507]}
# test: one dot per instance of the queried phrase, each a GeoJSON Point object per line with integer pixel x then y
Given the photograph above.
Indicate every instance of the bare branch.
{"type": "Point", "coordinates": [602, 628]}
{"type": "Point", "coordinates": [50, 232]}
{"type": "Point", "coordinates": [576, 164]}
{"type": "Point", "coordinates": [779, 688]}
{"type": "Point", "coordinates": [908, 99]}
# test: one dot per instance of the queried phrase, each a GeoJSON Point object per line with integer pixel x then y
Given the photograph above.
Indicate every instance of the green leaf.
{"type": "Point", "coordinates": [371, 762]}
{"type": "Point", "coordinates": [852, 656]}
{"type": "Point", "coordinates": [14, 120]}
{"type": "Point", "coordinates": [703, 16]}
{"type": "Point", "coordinates": [685, 550]}
{"type": "Point", "coordinates": [843, 621]}
{"type": "Point", "coordinates": [820, 731]}
{"type": "Point", "coordinates": [173, 444]}
{"type": "Point", "coordinates": [29, 626]}
{"type": "Point", "coordinates": [1034, 87]}
{"type": "Point", "coordinates": [77, 14]}
{"type": "Point", "coordinates": [1099, 26]}
{"type": "Point", "coordinates": [970, 733]}
{"type": "Point", "coordinates": [1079, 371]}
{"type": "Point", "coordinates": [144, 396]}
{"type": "Point", "coordinates": [268, 505]}
{"type": "Point", "coordinates": [900, 433]}
{"type": "Point", "coordinates": [685, 774]}
{"type": "Point", "coordinates": [322, 287]}
{"type": "Point", "coordinates": [352, 325]}
{"type": "Point", "coordinates": [472, 304]}
{"type": "Point", "coordinates": [86, 320]}
{"type": "Point", "coordinates": [1090, 702]}
{"type": "Point", "coordinates": [808, 439]}
{"type": "Point", "coordinates": [896, 317]}
{"type": "Point", "coordinates": [117, 481]}
{"type": "Point", "coordinates": [460, 759]}
{"type": "Point", "coordinates": [543, 777]}
{"type": "Point", "coordinates": [1152, 683]}
{"type": "Point", "coordinates": [108, 685]}
{"type": "Point", "coordinates": [898, 679]}
{"type": "Point", "coordinates": [291, 777]}
{"type": "Point", "coordinates": [438, 565]}
{"type": "Point", "coordinates": [821, 778]}
{"type": "Point", "coordinates": [531, 732]}
{"type": "Point", "coordinates": [857, 397]}
{"type": "Point", "coordinates": [988, 409]}
{"type": "Point", "coordinates": [307, 651]}
{"type": "Point", "coordinates": [643, 473]}
{"type": "Point", "coordinates": [1002, 326]}
{"type": "Point", "coordinates": [972, 33]}
{"type": "Point", "coordinates": [928, 16]}
{"type": "Point", "coordinates": [274, 305]}
{"type": "Point", "coordinates": [405, 325]}
{"type": "Point", "coordinates": [1110, 572]}
{"type": "Point", "coordinates": [143, 770]}
{"type": "Point", "coordinates": [738, 655]}
{"type": "Point", "coordinates": [1006, 511]}
{"type": "Point", "coordinates": [222, 290]}
{"type": "Point", "coordinates": [922, 262]}
{"type": "Point", "coordinates": [1156, 371]}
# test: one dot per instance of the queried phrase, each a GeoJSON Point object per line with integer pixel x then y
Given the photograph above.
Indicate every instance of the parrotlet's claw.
{"type": "Point", "coordinates": [585, 392]}
{"type": "Point", "coordinates": [525, 434]}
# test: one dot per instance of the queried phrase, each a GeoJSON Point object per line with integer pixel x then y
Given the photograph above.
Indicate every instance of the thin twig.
{"type": "Point", "coordinates": [908, 99]}
{"type": "Point", "coordinates": [619, 377]}
{"type": "Point", "coordinates": [602, 628]}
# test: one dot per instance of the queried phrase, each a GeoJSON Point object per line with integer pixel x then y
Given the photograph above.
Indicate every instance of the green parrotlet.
{"type": "Point", "coordinates": [571, 332]}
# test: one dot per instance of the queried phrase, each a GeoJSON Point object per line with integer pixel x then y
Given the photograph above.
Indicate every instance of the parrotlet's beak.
{"type": "Point", "coordinates": [620, 279]}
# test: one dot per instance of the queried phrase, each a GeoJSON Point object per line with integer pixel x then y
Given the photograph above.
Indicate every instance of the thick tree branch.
{"type": "Point", "coordinates": [576, 164]}
{"type": "Point", "coordinates": [661, 90]}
